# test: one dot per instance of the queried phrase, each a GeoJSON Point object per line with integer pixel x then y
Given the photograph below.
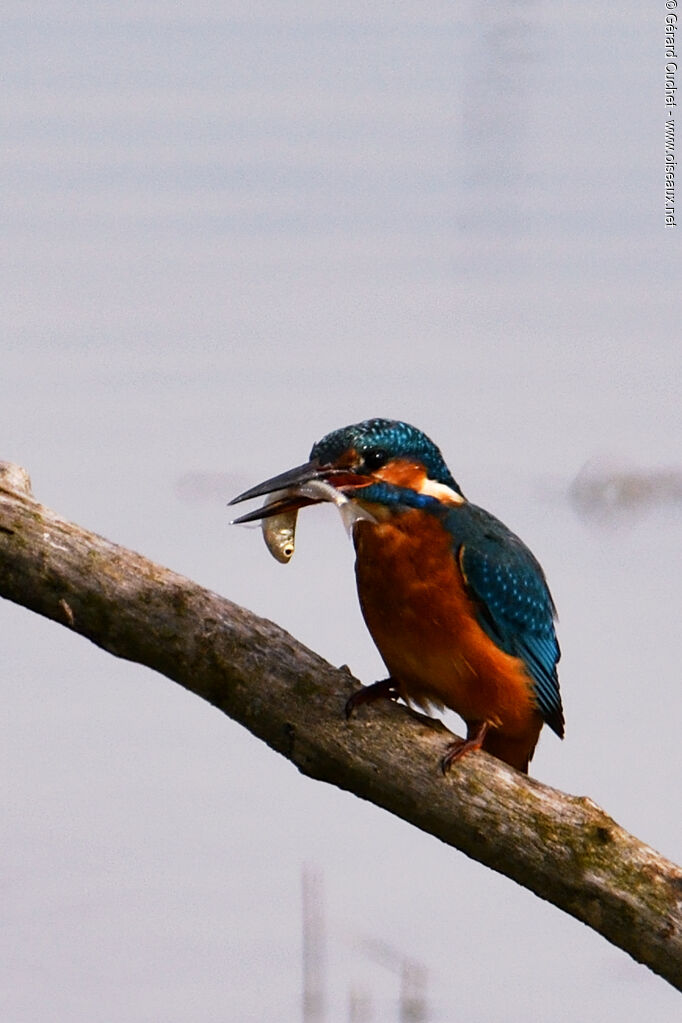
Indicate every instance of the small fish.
{"type": "Point", "coordinates": [279, 531]}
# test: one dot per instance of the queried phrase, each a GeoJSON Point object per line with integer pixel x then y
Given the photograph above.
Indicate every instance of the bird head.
{"type": "Point", "coordinates": [362, 462]}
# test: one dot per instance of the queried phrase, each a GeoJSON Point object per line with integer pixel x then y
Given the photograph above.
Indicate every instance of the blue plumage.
{"type": "Point", "coordinates": [399, 497]}
{"type": "Point", "coordinates": [515, 607]}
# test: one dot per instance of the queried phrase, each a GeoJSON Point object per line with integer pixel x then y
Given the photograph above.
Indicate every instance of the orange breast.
{"type": "Point", "coordinates": [422, 620]}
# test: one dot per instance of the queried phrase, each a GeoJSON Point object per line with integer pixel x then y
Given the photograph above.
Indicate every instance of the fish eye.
{"type": "Point", "coordinates": [375, 458]}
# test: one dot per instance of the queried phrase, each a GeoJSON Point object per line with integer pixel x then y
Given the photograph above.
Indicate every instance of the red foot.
{"type": "Point", "coordinates": [386, 689]}
{"type": "Point", "coordinates": [460, 747]}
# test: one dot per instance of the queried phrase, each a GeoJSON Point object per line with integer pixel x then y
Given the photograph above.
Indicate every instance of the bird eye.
{"type": "Point", "coordinates": [375, 458]}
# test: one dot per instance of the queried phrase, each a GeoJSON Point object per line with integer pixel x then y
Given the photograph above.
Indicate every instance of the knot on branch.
{"type": "Point", "coordinates": [15, 479]}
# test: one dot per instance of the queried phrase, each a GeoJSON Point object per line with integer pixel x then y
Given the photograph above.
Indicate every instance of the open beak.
{"type": "Point", "coordinates": [306, 484]}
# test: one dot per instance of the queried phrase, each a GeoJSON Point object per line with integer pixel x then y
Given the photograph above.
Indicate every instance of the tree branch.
{"type": "Point", "coordinates": [563, 848]}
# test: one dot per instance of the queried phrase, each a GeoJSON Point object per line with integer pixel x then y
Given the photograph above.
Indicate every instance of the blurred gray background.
{"type": "Point", "coordinates": [228, 229]}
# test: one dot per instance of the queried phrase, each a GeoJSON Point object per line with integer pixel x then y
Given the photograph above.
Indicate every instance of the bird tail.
{"type": "Point", "coordinates": [514, 751]}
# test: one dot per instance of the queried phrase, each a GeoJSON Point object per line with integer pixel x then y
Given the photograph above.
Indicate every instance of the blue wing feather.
{"type": "Point", "coordinates": [514, 604]}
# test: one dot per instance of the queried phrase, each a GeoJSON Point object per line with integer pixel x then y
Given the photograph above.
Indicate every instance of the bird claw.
{"type": "Point", "coordinates": [460, 747]}
{"type": "Point", "coordinates": [386, 689]}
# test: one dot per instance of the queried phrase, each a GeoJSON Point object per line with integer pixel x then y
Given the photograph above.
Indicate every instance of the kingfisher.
{"type": "Point", "coordinates": [456, 604]}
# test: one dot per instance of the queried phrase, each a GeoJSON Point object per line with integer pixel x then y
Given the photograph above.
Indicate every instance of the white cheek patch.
{"type": "Point", "coordinates": [441, 491]}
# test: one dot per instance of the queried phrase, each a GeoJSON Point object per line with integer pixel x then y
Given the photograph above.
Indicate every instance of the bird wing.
{"type": "Point", "coordinates": [514, 605]}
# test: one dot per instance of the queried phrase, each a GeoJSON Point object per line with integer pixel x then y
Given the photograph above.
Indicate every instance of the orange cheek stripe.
{"type": "Point", "coordinates": [400, 472]}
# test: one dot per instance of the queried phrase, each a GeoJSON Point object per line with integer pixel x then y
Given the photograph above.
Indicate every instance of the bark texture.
{"type": "Point", "coordinates": [562, 847]}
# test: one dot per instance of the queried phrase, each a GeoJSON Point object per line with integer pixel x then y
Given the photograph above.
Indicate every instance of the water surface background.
{"type": "Point", "coordinates": [230, 228]}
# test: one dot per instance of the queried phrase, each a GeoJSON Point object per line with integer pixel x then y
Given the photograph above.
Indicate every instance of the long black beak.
{"type": "Point", "coordinates": [288, 482]}
{"type": "Point", "coordinates": [285, 481]}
